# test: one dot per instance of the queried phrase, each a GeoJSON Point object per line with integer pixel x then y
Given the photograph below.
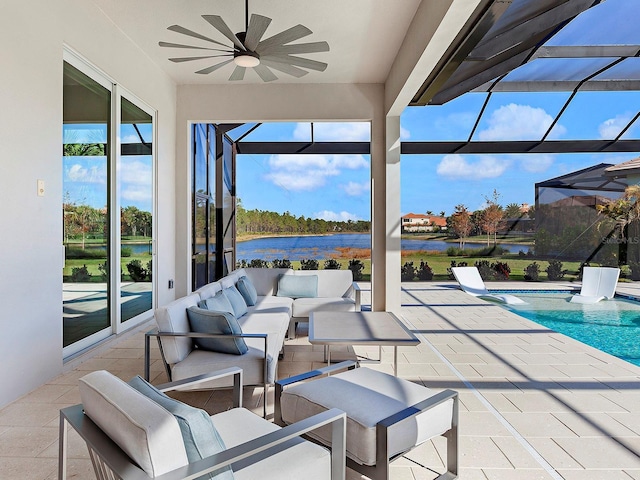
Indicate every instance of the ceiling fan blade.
{"type": "Point", "coordinates": [265, 74]}
{"type": "Point", "coordinates": [299, 61]}
{"type": "Point", "coordinates": [257, 26]}
{"type": "Point", "coordinates": [290, 35]}
{"type": "Point", "coordinates": [191, 33]}
{"type": "Point", "coordinates": [218, 23]}
{"type": "Point", "coordinates": [213, 68]}
{"type": "Point", "coordinates": [313, 47]}
{"type": "Point", "coordinates": [238, 74]}
{"type": "Point", "coordinates": [181, 45]}
{"type": "Point", "coordinates": [285, 68]}
{"type": "Point", "coordinates": [190, 59]}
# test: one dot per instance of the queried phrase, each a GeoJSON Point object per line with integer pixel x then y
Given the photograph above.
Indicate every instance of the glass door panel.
{"type": "Point", "coordinates": [85, 208]}
{"type": "Point", "coordinates": [136, 210]}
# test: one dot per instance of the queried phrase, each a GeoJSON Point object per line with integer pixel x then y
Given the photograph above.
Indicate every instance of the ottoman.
{"type": "Point", "coordinates": [386, 416]}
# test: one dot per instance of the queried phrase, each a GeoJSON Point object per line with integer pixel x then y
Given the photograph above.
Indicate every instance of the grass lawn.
{"type": "Point", "coordinates": [93, 264]}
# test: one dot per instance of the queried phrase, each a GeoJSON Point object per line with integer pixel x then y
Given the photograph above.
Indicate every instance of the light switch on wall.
{"type": "Point", "coordinates": [41, 188]}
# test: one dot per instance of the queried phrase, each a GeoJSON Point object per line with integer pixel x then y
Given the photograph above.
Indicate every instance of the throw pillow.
{"type": "Point", "coordinates": [221, 323]}
{"type": "Point", "coordinates": [298, 286]}
{"type": "Point", "coordinates": [219, 303]}
{"type": "Point", "coordinates": [201, 439]}
{"type": "Point", "coordinates": [247, 290]}
{"type": "Point", "coordinates": [237, 302]}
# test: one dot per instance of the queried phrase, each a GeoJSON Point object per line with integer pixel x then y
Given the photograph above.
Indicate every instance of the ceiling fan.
{"type": "Point", "coordinates": [248, 50]}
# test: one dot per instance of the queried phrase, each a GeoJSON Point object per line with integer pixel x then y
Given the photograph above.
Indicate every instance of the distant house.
{"type": "Point", "coordinates": [418, 222]}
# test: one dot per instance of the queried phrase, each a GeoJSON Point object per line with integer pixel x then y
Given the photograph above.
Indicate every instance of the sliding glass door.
{"type": "Point", "coordinates": [107, 207]}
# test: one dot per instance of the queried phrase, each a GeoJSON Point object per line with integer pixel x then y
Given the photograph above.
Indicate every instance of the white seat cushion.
{"type": "Point", "coordinates": [273, 304]}
{"type": "Point", "coordinates": [368, 396]}
{"type": "Point", "coordinates": [303, 460]}
{"type": "Point", "coordinates": [302, 307]}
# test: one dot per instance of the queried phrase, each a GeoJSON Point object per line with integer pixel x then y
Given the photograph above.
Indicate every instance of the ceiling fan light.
{"type": "Point", "coordinates": [246, 60]}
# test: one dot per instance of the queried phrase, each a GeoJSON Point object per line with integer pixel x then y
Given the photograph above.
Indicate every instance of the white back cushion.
{"type": "Point", "coordinates": [331, 283]}
{"type": "Point", "coordinates": [209, 290]}
{"type": "Point", "coordinates": [145, 431]}
{"type": "Point", "coordinates": [173, 318]}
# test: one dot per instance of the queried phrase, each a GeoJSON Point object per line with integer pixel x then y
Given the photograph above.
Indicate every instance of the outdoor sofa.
{"type": "Point", "coordinates": [196, 335]}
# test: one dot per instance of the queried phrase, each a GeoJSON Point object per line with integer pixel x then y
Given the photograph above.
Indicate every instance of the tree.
{"type": "Point", "coordinates": [492, 216]}
{"type": "Point", "coordinates": [512, 210]}
{"type": "Point", "coordinates": [442, 213]}
{"type": "Point", "coordinates": [461, 223]}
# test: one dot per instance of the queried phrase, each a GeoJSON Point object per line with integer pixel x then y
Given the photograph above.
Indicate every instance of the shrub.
{"type": "Point", "coordinates": [309, 264]}
{"type": "Point", "coordinates": [104, 271]}
{"type": "Point", "coordinates": [356, 266]}
{"type": "Point", "coordinates": [258, 263]}
{"type": "Point", "coordinates": [408, 272]}
{"type": "Point", "coordinates": [150, 269]}
{"type": "Point", "coordinates": [79, 253]}
{"type": "Point", "coordinates": [454, 252]}
{"type": "Point", "coordinates": [284, 263]}
{"type": "Point", "coordinates": [125, 251]}
{"type": "Point", "coordinates": [332, 264]}
{"type": "Point", "coordinates": [554, 270]}
{"type": "Point", "coordinates": [80, 274]}
{"type": "Point", "coordinates": [136, 271]}
{"type": "Point", "coordinates": [635, 270]}
{"type": "Point", "coordinates": [425, 272]}
{"type": "Point", "coordinates": [486, 272]}
{"type": "Point", "coordinates": [241, 264]}
{"type": "Point", "coordinates": [532, 272]}
{"type": "Point", "coordinates": [501, 270]}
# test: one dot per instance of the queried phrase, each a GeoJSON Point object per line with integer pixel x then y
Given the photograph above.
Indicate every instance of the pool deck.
{"type": "Point", "coordinates": [534, 403]}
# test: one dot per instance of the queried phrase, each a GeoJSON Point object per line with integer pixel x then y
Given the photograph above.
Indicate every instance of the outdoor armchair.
{"type": "Point", "coordinates": [116, 418]}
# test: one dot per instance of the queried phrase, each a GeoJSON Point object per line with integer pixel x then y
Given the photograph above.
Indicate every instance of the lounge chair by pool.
{"type": "Point", "coordinates": [471, 282]}
{"type": "Point", "coordinates": [598, 283]}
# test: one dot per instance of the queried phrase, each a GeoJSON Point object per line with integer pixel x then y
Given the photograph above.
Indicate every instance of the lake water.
{"type": "Point", "coordinates": [323, 246]}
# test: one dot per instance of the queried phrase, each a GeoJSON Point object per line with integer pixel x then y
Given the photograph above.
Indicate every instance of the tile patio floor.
{"type": "Point", "coordinates": [534, 404]}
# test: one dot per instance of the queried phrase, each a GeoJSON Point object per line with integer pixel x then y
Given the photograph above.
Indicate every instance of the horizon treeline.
{"type": "Point", "coordinates": [262, 221]}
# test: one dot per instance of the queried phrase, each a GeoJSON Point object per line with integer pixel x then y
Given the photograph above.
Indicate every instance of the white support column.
{"type": "Point", "coordinates": [392, 214]}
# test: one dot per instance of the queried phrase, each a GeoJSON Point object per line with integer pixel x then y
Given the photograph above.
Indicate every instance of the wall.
{"type": "Point", "coordinates": [246, 103]}
{"type": "Point", "coordinates": [32, 35]}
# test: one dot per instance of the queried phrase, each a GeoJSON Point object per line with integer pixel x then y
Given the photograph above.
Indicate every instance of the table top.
{"type": "Point", "coordinates": [359, 328]}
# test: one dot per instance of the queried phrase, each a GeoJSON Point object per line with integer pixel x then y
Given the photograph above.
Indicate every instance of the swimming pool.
{"type": "Point", "coordinates": [612, 326]}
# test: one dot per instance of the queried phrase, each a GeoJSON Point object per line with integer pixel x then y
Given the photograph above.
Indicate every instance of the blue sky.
{"type": "Point", "coordinates": [337, 187]}
{"type": "Point", "coordinates": [85, 178]}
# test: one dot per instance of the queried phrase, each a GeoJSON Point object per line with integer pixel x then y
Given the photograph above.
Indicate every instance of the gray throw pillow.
{"type": "Point", "coordinates": [208, 321]}
{"type": "Point", "coordinates": [247, 290]}
{"type": "Point", "coordinates": [219, 303]}
{"type": "Point", "coordinates": [201, 439]}
{"type": "Point", "coordinates": [237, 302]}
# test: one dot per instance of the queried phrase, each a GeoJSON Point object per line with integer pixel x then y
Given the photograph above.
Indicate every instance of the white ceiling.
{"type": "Point", "coordinates": [364, 35]}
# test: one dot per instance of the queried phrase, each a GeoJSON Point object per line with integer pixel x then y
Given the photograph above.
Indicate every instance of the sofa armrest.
{"type": "Point", "coordinates": [191, 381]}
{"type": "Point", "coordinates": [358, 290]}
{"type": "Point", "coordinates": [159, 335]}
{"type": "Point", "coordinates": [452, 434]}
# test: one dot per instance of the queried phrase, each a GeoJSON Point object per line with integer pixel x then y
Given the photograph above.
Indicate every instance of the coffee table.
{"type": "Point", "coordinates": [360, 328]}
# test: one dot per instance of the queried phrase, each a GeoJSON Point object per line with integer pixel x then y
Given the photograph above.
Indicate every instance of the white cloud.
{"type": "Point", "coordinates": [136, 172]}
{"type": "Point", "coordinates": [309, 172]}
{"type": "Point", "coordinates": [335, 216]}
{"type": "Point", "coordinates": [612, 127]}
{"type": "Point", "coordinates": [334, 132]}
{"type": "Point", "coordinates": [456, 166]}
{"type": "Point", "coordinates": [405, 134]}
{"type": "Point", "coordinates": [536, 163]}
{"type": "Point", "coordinates": [78, 173]}
{"type": "Point", "coordinates": [519, 122]}
{"type": "Point", "coordinates": [136, 193]}
{"type": "Point", "coordinates": [355, 189]}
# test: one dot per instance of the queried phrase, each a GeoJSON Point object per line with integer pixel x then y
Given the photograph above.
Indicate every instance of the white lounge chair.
{"type": "Point", "coordinates": [598, 283]}
{"type": "Point", "coordinates": [471, 282]}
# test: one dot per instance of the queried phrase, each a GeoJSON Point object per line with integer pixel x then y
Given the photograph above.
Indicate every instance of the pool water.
{"type": "Point", "coordinates": [612, 326]}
